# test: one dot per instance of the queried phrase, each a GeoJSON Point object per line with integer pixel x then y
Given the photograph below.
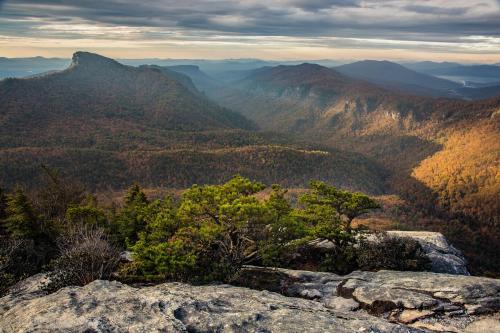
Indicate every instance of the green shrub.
{"type": "Point", "coordinates": [206, 235]}
{"type": "Point", "coordinates": [395, 253]}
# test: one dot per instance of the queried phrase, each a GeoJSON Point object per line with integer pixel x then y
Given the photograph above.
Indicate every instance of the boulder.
{"type": "Point", "coordinates": [444, 257]}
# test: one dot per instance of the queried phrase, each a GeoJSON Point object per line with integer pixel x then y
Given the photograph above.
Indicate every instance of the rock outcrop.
{"type": "Point", "coordinates": [441, 302]}
{"type": "Point", "coordinates": [104, 306]}
{"type": "Point", "coordinates": [384, 301]}
{"type": "Point", "coordinates": [445, 258]}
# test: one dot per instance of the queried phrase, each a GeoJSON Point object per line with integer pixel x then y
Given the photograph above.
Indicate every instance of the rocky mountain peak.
{"type": "Point", "coordinates": [87, 59]}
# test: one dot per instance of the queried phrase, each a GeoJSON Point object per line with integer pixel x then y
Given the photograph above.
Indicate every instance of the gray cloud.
{"type": "Point", "coordinates": [437, 10]}
{"type": "Point", "coordinates": [314, 5]}
{"type": "Point", "coordinates": [429, 21]}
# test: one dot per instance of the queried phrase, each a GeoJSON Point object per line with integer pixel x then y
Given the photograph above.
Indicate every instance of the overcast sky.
{"type": "Point", "coordinates": [461, 30]}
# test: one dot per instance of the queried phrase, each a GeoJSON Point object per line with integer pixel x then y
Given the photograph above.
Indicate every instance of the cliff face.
{"type": "Point", "coordinates": [309, 302]}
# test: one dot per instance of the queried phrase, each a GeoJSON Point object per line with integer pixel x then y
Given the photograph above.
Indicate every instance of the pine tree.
{"type": "Point", "coordinates": [130, 222]}
{"type": "Point", "coordinates": [21, 220]}
{"type": "Point", "coordinates": [135, 196]}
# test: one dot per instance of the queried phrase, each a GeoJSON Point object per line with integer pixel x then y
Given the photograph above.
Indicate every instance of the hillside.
{"type": "Point", "coordinates": [486, 92]}
{"type": "Point", "coordinates": [109, 125]}
{"type": "Point", "coordinates": [395, 129]}
{"type": "Point", "coordinates": [419, 140]}
{"type": "Point", "coordinates": [181, 168]}
{"type": "Point", "coordinates": [185, 80]}
{"type": "Point", "coordinates": [395, 76]}
{"type": "Point", "coordinates": [292, 98]}
{"type": "Point", "coordinates": [94, 87]}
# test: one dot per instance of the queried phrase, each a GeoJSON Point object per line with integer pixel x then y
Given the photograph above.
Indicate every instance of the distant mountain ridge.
{"type": "Point", "coordinates": [427, 66]}
{"type": "Point", "coordinates": [320, 97]}
{"type": "Point", "coordinates": [201, 80]}
{"type": "Point", "coordinates": [21, 67]}
{"type": "Point", "coordinates": [475, 76]}
{"type": "Point", "coordinates": [492, 71]}
{"type": "Point", "coordinates": [398, 77]}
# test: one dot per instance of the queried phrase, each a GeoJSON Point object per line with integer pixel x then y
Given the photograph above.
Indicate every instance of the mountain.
{"type": "Point", "coordinates": [395, 76]}
{"type": "Point", "coordinates": [420, 141]}
{"type": "Point", "coordinates": [99, 88]}
{"type": "Point", "coordinates": [21, 67]}
{"type": "Point", "coordinates": [313, 98]}
{"type": "Point", "coordinates": [302, 97]}
{"type": "Point", "coordinates": [322, 104]}
{"type": "Point", "coordinates": [475, 76]}
{"type": "Point", "coordinates": [470, 71]}
{"type": "Point", "coordinates": [399, 78]}
{"type": "Point", "coordinates": [109, 125]}
{"type": "Point", "coordinates": [429, 66]}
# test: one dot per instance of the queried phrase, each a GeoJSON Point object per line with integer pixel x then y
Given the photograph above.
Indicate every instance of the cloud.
{"type": "Point", "coordinates": [437, 10]}
{"type": "Point", "coordinates": [430, 21]}
{"type": "Point", "coordinates": [315, 5]}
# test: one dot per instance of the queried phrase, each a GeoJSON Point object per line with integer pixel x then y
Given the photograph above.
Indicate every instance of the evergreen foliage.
{"type": "Point", "coordinates": [21, 220]}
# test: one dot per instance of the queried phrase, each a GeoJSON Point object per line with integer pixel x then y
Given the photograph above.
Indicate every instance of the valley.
{"type": "Point", "coordinates": [108, 126]}
{"type": "Point", "coordinates": [232, 166]}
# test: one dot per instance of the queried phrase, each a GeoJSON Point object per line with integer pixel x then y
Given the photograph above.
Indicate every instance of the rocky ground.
{"type": "Point", "coordinates": [272, 300]}
{"type": "Point", "coordinates": [425, 300]}
{"type": "Point", "coordinates": [378, 302]}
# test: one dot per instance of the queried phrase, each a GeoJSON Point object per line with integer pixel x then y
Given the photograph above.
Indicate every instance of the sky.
{"type": "Point", "coordinates": [440, 30]}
